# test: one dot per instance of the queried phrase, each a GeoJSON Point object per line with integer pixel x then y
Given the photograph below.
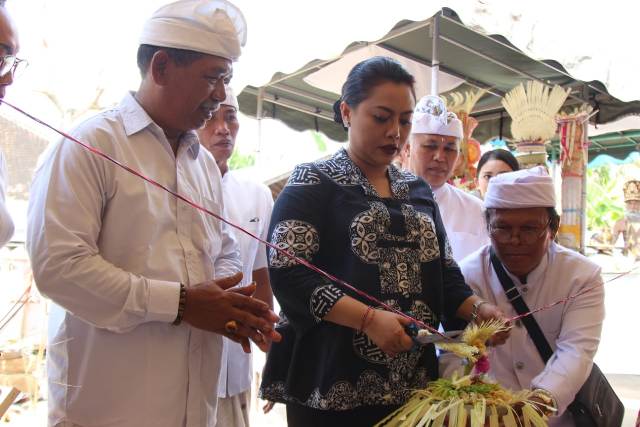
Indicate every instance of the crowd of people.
{"type": "Point", "coordinates": [155, 304]}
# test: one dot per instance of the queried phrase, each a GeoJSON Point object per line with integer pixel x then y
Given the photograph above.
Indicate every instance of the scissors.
{"type": "Point", "coordinates": [422, 337]}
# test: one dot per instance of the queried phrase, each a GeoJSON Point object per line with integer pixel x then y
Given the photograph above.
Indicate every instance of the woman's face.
{"type": "Point", "coordinates": [379, 126]}
{"type": "Point", "coordinates": [490, 169]}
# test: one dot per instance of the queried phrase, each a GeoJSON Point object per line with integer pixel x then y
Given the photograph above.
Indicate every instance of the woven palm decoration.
{"type": "Point", "coordinates": [472, 400]}
{"type": "Point", "coordinates": [463, 102]}
{"type": "Point", "coordinates": [533, 110]}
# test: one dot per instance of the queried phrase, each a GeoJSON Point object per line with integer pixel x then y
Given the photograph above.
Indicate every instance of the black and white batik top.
{"type": "Point", "coordinates": [392, 248]}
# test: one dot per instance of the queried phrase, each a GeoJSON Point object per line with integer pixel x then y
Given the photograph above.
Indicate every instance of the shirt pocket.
{"type": "Point", "coordinates": [207, 232]}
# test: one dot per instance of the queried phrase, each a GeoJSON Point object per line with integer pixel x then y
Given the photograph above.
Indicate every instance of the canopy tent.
{"type": "Point", "coordinates": [464, 59]}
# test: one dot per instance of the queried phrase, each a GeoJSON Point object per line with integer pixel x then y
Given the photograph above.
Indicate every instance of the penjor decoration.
{"type": "Point", "coordinates": [573, 160]}
{"type": "Point", "coordinates": [462, 104]}
{"type": "Point", "coordinates": [533, 110]}
{"type": "Point", "coordinates": [473, 399]}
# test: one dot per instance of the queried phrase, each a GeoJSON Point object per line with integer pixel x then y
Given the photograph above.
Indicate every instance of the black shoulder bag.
{"type": "Point", "coordinates": [596, 403]}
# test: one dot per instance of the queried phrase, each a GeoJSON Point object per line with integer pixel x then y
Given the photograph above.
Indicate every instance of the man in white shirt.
{"type": "Point", "coordinates": [522, 223]}
{"type": "Point", "coordinates": [137, 277]}
{"type": "Point", "coordinates": [8, 64]}
{"type": "Point", "coordinates": [434, 148]}
{"type": "Point", "coordinates": [249, 205]}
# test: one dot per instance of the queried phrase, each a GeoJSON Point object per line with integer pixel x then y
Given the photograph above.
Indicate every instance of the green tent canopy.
{"type": "Point", "coordinates": [468, 58]}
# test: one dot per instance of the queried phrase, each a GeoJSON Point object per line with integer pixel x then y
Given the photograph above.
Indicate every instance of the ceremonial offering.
{"type": "Point", "coordinates": [533, 110]}
{"type": "Point", "coordinates": [473, 399]}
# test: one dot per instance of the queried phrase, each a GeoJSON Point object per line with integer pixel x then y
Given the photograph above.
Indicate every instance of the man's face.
{"type": "Point", "coordinates": [520, 237]}
{"type": "Point", "coordinates": [433, 157]}
{"type": "Point", "coordinates": [8, 46]}
{"type": "Point", "coordinates": [219, 134]}
{"type": "Point", "coordinates": [632, 205]}
{"type": "Point", "coordinates": [194, 92]}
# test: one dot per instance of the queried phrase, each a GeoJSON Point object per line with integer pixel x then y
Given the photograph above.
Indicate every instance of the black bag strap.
{"type": "Point", "coordinates": [514, 297]}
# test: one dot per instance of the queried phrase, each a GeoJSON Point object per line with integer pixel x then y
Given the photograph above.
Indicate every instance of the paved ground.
{"type": "Point", "coordinates": [620, 345]}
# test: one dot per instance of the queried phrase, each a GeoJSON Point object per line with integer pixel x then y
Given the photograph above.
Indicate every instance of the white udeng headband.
{"type": "Point", "coordinates": [214, 27]}
{"type": "Point", "coordinates": [431, 117]}
{"type": "Point", "coordinates": [526, 188]}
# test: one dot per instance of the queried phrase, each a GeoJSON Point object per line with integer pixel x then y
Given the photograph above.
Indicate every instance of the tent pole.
{"type": "Point", "coordinates": [583, 196]}
{"type": "Point", "coordinates": [259, 98]}
{"type": "Point", "coordinates": [435, 58]}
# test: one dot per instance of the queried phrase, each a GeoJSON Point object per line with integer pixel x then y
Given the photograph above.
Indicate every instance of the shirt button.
{"type": "Point", "coordinates": [525, 289]}
{"type": "Point", "coordinates": [519, 365]}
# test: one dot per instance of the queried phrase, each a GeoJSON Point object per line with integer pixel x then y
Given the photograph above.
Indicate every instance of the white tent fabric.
{"type": "Point", "coordinates": [331, 77]}
{"type": "Point", "coordinates": [591, 41]}
{"type": "Point", "coordinates": [624, 124]}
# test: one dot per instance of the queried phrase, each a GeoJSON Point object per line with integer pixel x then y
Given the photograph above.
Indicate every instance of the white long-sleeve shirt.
{"type": "Point", "coordinates": [463, 219]}
{"type": "Point", "coordinates": [111, 251]}
{"type": "Point", "coordinates": [572, 329]}
{"type": "Point", "coordinates": [248, 204]}
{"type": "Point", "coordinates": [6, 223]}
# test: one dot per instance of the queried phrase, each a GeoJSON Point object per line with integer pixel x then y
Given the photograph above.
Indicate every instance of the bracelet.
{"type": "Point", "coordinates": [476, 308]}
{"type": "Point", "coordinates": [364, 318]}
{"type": "Point", "coordinates": [182, 302]}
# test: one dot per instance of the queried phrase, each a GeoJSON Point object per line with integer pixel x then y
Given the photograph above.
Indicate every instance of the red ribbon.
{"type": "Point", "coordinates": [237, 227]}
{"type": "Point", "coordinates": [274, 247]}
{"type": "Point", "coordinates": [570, 297]}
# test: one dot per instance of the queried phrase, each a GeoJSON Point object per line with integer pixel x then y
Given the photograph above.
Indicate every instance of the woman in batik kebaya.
{"type": "Point", "coordinates": [342, 360]}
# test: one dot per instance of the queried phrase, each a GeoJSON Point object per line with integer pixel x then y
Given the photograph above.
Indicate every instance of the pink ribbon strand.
{"type": "Point", "coordinates": [237, 227]}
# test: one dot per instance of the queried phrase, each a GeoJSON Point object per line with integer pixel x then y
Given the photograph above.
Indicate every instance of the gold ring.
{"type": "Point", "coordinates": [231, 326]}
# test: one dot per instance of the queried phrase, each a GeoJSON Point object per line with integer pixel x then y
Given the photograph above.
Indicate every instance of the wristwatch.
{"type": "Point", "coordinates": [547, 398]}
{"type": "Point", "coordinates": [476, 307]}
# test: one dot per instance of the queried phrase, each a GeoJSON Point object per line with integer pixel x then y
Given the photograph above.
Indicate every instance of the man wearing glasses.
{"type": "Point", "coordinates": [522, 223]}
{"type": "Point", "coordinates": [8, 48]}
{"type": "Point", "coordinates": [8, 65]}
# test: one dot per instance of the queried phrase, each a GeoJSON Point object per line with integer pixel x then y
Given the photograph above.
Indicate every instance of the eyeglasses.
{"type": "Point", "coordinates": [12, 64]}
{"type": "Point", "coordinates": [527, 235]}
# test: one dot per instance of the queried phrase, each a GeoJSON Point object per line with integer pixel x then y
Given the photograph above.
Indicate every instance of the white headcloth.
{"type": "Point", "coordinates": [430, 116]}
{"type": "Point", "coordinates": [231, 99]}
{"type": "Point", "coordinates": [214, 27]}
{"type": "Point", "coordinates": [526, 188]}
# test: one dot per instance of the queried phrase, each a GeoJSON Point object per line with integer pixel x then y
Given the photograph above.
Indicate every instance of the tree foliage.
{"type": "Point", "coordinates": [605, 204]}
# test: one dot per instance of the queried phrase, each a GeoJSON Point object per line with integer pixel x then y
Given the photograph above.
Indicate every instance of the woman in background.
{"type": "Point", "coordinates": [494, 163]}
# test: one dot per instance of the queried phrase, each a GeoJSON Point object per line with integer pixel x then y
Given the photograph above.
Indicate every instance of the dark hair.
{"type": "Point", "coordinates": [180, 57]}
{"type": "Point", "coordinates": [498, 154]}
{"type": "Point", "coordinates": [368, 74]}
{"type": "Point", "coordinates": [554, 218]}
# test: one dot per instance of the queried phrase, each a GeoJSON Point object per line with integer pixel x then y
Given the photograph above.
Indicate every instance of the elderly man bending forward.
{"type": "Point", "coordinates": [522, 223]}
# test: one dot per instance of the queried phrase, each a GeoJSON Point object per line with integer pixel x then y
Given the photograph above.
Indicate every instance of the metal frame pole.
{"type": "Point", "coordinates": [435, 57]}
{"type": "Point", "coordinates": [583, 196]}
